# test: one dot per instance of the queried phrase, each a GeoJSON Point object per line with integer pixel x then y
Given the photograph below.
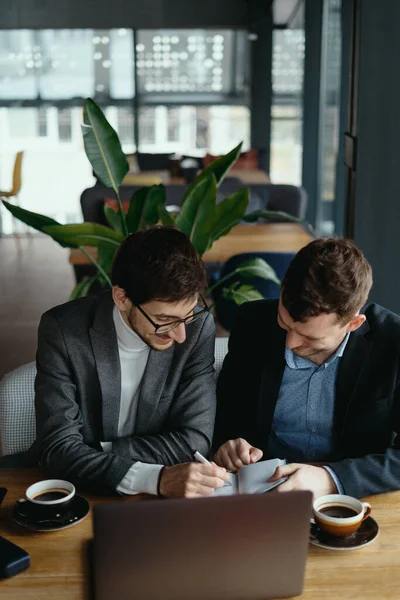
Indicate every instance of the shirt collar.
{"type": "Point", "coordinates": [298, 362]}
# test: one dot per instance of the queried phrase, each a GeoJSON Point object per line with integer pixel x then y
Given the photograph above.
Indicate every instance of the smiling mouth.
{"type": "Point", "coordinates": [161, 339]}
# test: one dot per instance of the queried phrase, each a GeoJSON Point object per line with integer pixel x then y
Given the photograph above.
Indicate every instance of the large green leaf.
{"type": "Point", "coordinates": [114, 218]}
{"type": "Point", "coordinates": [82, 288]}
{"type": "Point", "coordinates": [35, 220]}
{"type": "Point", "coordinates": [253, 267]}
{"type": "Point", "coordinates": [103, 147]}
{"type": "Point", "coordinates": [167, 218]}
{"type": "Point", "coordinates": [219, 168]}
{"type": "Point", "coordinates": [257, 267]}
{"type": "Point", "coordinates": [244, 293]}
{"type": "Point", "coordinates": [197, 215]}
{"type": "Point", "coordinates": [105, 259]}
{"type": "Point", "coordinates": [85, 234]}
{"type": "Point", "coordinates": [270, 215]}
{"type": "Point", "coordinates": [144, 207]}
{"type": "Point", "coordinates": [229, 213]}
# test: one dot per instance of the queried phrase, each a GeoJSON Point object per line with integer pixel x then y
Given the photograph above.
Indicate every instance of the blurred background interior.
{"type": "Point", "coordinates": [307, 85]}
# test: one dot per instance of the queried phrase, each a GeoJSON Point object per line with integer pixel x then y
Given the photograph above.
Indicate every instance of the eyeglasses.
{"type": "Point", "coordinates": [174, 324]}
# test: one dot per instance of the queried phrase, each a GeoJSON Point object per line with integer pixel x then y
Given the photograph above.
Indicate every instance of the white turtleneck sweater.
{"type": "Point", "coordinates": [133, 355]}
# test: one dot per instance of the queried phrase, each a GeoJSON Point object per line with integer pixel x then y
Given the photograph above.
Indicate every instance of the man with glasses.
{"type": "Point", "coordinates": [125, 387]}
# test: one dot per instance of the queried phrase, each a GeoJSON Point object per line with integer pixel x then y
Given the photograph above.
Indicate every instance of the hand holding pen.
{"type": "Point", "coordinates": [200, 458]}
{"type": "Point", "coordinates": [191, 480]}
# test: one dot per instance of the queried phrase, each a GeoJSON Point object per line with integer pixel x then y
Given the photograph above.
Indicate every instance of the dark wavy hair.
{"type": "Point", "coordinates": [159, 263]}
{"type": "Point", "coordinates": [329, 275]}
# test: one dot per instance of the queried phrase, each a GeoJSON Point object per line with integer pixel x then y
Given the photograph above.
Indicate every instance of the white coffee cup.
{"type": "Point", "coordinates": [51, 492]}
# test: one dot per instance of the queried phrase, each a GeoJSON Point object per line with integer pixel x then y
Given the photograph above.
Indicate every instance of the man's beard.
{"type": "Point", "coordinates": [132, 323]}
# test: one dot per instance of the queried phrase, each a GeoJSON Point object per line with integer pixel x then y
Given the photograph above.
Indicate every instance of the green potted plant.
{"type": "Point", "coordinates": [200, 217]}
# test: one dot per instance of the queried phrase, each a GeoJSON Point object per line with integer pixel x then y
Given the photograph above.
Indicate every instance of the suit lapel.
{"type": "Point", "coordinates": [271, 379]}
{"type": "Point", "coordinates": [105, 349]}
{"type": "Point", "coordinates": [351, 366]}
{"type": "Point", "coordinates": [153, 382]}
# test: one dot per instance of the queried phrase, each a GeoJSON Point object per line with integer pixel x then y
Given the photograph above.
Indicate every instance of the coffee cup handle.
{"type": "Point", "coordinates": [367, 510]}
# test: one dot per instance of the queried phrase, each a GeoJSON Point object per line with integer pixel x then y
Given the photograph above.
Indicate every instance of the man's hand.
{"type": "Point", "coordinates": [191, 480]}
{"type": "Point", "coordinates": [235, 454]}
{"type": "Point", "coordinates": [305, 477]}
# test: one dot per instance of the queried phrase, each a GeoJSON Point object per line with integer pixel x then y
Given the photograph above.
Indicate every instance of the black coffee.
{"type": "Point", "coordinates": [340, 512]}
{"type": "Point", "coordinates": [50, 495]}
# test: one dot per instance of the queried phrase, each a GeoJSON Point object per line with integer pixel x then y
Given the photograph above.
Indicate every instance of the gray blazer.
{"type": "Point", "coordinates": [77, 397]}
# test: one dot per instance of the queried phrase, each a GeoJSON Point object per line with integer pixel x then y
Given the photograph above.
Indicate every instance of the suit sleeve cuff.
{"type": "Point", "coordinates": [141, 478]}
{"type": "Point", "coordinates": [106, 446]}
{"type": "Point", "coordinates": [340, 488]}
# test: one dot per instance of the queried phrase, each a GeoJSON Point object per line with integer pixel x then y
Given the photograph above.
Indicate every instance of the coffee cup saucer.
{"type": "Point", "coordinates": [365, 535]}
{"type": "Point", "coordinates": [25, 514]}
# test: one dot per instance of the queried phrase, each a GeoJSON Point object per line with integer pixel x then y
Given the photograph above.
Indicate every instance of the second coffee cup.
{"type": "Point", "coordinates": [340, 515]}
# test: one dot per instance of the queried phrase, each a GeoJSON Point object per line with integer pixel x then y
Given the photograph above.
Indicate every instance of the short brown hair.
{"type": "Point", "coordinates": [159, 263]}
{"type": "Point", "coordinates": [329, 275]}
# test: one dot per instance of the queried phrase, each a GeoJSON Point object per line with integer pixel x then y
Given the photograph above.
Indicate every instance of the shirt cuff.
{"type": "Point", "coordinates": [340, 488]}
{"type": "Point", "coordinates": [106, 446]}
{"type": "Point", "coordinates": [141, 478]}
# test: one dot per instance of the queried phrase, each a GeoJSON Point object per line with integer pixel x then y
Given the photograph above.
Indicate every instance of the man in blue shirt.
{"type": "Point", "coordinates": [314, 377]}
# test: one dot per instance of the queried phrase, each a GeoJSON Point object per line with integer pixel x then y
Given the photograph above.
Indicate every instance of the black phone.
{"type": "Point", "coordinates": [13, 559]}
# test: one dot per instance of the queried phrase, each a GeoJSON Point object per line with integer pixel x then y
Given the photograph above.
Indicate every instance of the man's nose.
{"type": "Point", "coordinates": [178, 334]}
{"type": "Point", "coordinates": [293, 340]}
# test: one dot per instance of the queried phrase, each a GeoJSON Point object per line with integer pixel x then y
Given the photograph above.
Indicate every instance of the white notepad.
{"type": "Point", "coordinates": [253, 479]}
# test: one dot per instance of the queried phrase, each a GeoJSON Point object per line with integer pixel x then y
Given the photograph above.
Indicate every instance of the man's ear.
{"type": "Point", "coordinates": [356, 322]}
{"type": "Point", "coordinates": [120, 298]}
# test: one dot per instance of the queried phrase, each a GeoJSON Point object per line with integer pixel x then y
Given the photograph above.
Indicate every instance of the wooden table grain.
{"type": "Point", "coordinates": [60, 570]}
{"type": "Point", "coordinates": [266, 237]}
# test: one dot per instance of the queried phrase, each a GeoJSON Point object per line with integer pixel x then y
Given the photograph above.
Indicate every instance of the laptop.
{"type": "Point", "coordinates": [249, 547]}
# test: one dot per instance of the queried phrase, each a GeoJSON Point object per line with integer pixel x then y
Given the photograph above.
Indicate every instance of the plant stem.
{"type": "Point", "coordinates": [217, 283]}
{"type": "Point", "coordinates": [122, 215]}
{"type": "Point", "coordinates": [96, 264]}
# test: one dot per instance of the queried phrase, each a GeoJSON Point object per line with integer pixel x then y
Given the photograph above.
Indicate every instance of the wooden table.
{"type": "Point", "coordinates": [266, 237]}
{"type": "Point", "coordinates": [246, 176]}
{"type": "Point", "coordinates": [59, 566]}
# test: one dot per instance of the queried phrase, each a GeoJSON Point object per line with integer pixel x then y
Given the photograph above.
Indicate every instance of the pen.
{"type": "Point", "coordinates": [200, 458]}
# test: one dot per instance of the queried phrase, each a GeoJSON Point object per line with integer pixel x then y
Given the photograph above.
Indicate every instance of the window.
{"type": "Point", "coordinates": [287, 106]}
{"type": "Point", "coordinates": [125, 126]}
{"type": "Point", "coordinates": [191, 88]}
{"type": "Point", "coordinates": [121, 64]}
{"type": "Point", "coordinates": [202, 127]}
{"type": "Point", "coordinates": [331, 118]}
{"type": "Point", "coordinates": [66, 64]}
{"type": "Point", "coordinates": [187, 61]}
{"type": "Point", "coordinates": [147, 129]}
{"type": "Point", "coordinates": [173, 116]}
{"type": "Point", "coordinates": [22, 123]}
{"type": "Point", "coordinates": [65, 125]}
{"type": "Point", "coordinates": [42, 122]}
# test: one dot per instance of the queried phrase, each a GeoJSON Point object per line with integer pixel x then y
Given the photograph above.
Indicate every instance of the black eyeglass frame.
{"type": "Point", "coordinates": [186, 320]}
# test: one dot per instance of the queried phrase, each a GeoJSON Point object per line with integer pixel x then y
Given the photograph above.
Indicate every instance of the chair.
{"type": "Point", "coordinates": [226, 310]}
{"type": "Point", "coordinates": [287, 198]}
{"type": "Point", "coordinates": [16, 180]}
{"type": "Point", "coordinates": [17, 407]}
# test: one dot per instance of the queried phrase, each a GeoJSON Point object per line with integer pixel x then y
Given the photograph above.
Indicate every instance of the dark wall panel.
{"type": "Point", "coordinates": [99, 14]}
{"type": "Point", "coordinates": [261, 90]}
{"type": "Point", "coordinates": [377, 211]}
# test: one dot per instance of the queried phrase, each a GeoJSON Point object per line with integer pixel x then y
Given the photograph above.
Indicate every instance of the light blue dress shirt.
{"type": "Point", "coordinates": [302, 426]}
